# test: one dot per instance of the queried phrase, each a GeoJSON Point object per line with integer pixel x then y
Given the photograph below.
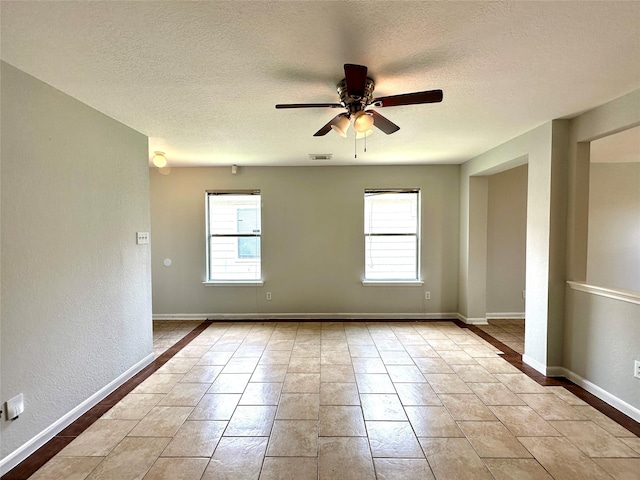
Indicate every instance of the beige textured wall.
{"type": "Point", "coordinates": [76, 289]}
{"type": "Point", "coordinates": [312, 241]}
{"type": "Point", "coordinates": [506, 241]}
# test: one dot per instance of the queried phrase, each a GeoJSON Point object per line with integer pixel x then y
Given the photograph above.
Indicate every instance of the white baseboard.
{"type": "Point", "coordinates": [472, 321]}
{"type": "Point", "coordinates": [305, 316]}
{"type": "Point", "coordinates": [28, 448]}
{"type": "Point", "coordinates": [499, 315]}
{"type": "Point", "coordinates": [539, 366]}
{"type": "Point", "coordinates": [602, 394]}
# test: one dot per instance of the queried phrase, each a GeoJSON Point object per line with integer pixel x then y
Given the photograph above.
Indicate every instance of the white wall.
{"type": "Point", "coordinates": [602, 335]}
{"type": "Point", "coordinates": [76, 290]}
{"type": "Point", "coordinates": [312, 241]}
{"type": "Point", "coordinates": [506, 242]}
{"type": "Point", "coordinates": [613, 251]}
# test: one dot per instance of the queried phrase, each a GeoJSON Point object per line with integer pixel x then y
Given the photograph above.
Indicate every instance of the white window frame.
{"type": "Point", "coordinates": [416, 280]}
{"type": "Point", "coordinates": [230, 282]}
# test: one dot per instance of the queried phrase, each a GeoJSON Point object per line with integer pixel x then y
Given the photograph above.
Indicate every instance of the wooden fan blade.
{"type": "Point", "coordinates": [384, 124]}
{"type": "Point", "coordinates": [429, 96]}
{"type": "Point", "coordinates": [308, 105]}
{"type": "Point", "coordinates": [327, 128]}
{"type": "Point", "coordinates": [356, 78]}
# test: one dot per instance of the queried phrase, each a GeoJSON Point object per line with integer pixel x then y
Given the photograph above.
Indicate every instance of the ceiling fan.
{"type": "Point", "coordinates": [356, 96]}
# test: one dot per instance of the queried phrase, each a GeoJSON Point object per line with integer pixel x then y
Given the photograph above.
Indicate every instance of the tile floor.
{"type": "Point", "coordinates": [509, 331]}
{"type": "Point", "coordinates": [348, 401]}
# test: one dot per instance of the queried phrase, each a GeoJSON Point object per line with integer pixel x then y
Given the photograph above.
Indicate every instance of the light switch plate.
{"type": "Point", "coordinates": [142, 238]}
{"type": "Point", "coordinates": [15, 407]}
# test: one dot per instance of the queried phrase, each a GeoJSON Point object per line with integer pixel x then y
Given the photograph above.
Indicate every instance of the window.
{"type": "Point", "coordinates": [391, 234]}
{"type": "Point", "coordinates": [233, 236]}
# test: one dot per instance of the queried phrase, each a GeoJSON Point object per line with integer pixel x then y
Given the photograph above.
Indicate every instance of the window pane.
{"type": "Point", "coordinates": [226, 262]}
{"type": "Point", "coordinates": [391, 258]}
{"type": "Point", "coordinates": [232, 214]}
{"type": "Point", "coordinates": [391, 212]}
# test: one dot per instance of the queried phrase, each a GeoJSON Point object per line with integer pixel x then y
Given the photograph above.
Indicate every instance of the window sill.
{"type": "Point", "coordinates": [387, 283]}
{"type": "Point", "coordinates": [238, 283]}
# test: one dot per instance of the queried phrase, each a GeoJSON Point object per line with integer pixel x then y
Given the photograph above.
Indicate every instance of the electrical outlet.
{"type": "Point", "coordinates": [636, 369]}
{"type": "Point", "coordinates": [268, 295]}
{"type": "Point", "coordinates": [427, 295]}
{"type": "Point", "coordinates": [142, 238]}
{"type": "Point", "coordinates": [15, 407]}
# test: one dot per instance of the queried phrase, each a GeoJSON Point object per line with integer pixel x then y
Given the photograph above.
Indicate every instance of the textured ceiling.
{"type": "Point", "coordinates": [201, 78]}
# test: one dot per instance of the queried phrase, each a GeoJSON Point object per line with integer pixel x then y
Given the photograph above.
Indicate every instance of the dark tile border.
{"type": "Point", "coordinates": [36, 460]}
{"type": "Point", "coordinates": [515, 359]}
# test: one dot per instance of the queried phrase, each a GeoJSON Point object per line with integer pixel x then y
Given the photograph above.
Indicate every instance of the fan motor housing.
{"type": "Point", "coordinates": [354, 104]}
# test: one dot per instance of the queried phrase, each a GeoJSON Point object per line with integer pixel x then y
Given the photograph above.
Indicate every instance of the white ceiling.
{"type": "Point", "coordinates": [201, 79]}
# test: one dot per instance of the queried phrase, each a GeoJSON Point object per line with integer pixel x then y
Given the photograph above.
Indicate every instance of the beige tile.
{"type": "Point", "coordinates": [497, 365]}
{"type": "Point", "coordinates": [417, 394]}
{"type": "Point", "coordinates": [339, 394]}
{"type": "Point", "coordinates": [304, 365]}
{"type": "Point", "coordinates": [516, 468]}
{"type": "Point", "coordinates": [492, 439]}
{"type": "Point", "coordinates": [337, 374]}
{"type": "Point", "coordinates": [432, 421]}
{"type": "Point", "coordinates": [215, 406]}
{"type": "Point", "coordinates": [620, 468]}
{"type": "Point", "coordinates": [230, 383]}
{"type": "Point", "coordinates": [251, 421]}
{"type": "Point", "coordinates": [457, 357]}
{"type": "Point", "coordinates": [421, 351]}
{"type": "Point", "coordinates": [341, 421]}
{"type": "Point", "coordinates": [479, 351]}
{"type": "Point", "coordinates": [405, 373]}
{"type": "Point", "coordinates": [402, 469]}
{"type": "Point", "coordinates": [195, 439]}
{"type": "Point", "coordinates": [305, 351]}
{"type": "Point", "coordinates": [177, 469]}
{"type": "Point", "coordinates": [566, 395]}
{"type": "Point", "coordinates": [342, 458]}
{"type": "Point", "coordinates": [363, 351]}
{"type": "Point", "coordinates": [177, 365]}
{"type": "Point", "coordinates": [293, 438]}
{"type": "Point", "coordinates": [298, 406]}
{"type": "Point", "coordinates": [196, 351]}
{"type": "Point", "coordinates": [99, 439]}
{"type": "Point", "coordinates": [592, 439]}
{"type": "Point", "coordinates": [249, 351]}
{"type": "Point", "coordinates": [433, 365]}
{"type": "Point", "coordinates": [551, 407]}
{"type": "Point", "coordinates": [605, 422]}
{"type": "Point", "coordinates": [275, 357]}
{"type": "Point", "coordinates": [495, 394]}
{"type": "Point", "coordinates": [561, 459]}
{"type": "Point", "coordinates": [289, 468]}
{"type": "Point", "coordinates": [520, 383]}
{"type": "Point", "coordinates": [261, 394]}
{"type": "Point", "coordinates": [159, 383]}
{"type": "Point", "coordinates": [185, 395]}
{"type": "Point", "coordinates": [335, 357]}
{"type": "Point", "coordinates": [446, 383]}
{"type": "Point", "coordinates": [269, 373]}
{"type": "Point", "coordinates": [379, 406]}
{"type": "Point", "coordinates": [473, 374]}
{"type": "Point", "coordinates": [134, 406]}
{"type": "Point", "coordinates": [523, 421]}
{"type": "Point", "coordinates": [395, 357]}
{"type": "Point", "coordinates": [441, 345]}
{"type": "Point", "coordinates": [301, 383]}
{"type": "Point", "coordinates": [67, 468]}
{"type": "Point", "coordinates": [463, 406]}
{"type": "Point", "coordinates": [161, 422]}
{"type": "Point", "coordinates": [240, 365]}
{"type": "Point", "coordinates": [237, 458]}
{"type": "Point", "coordinates": [202, 374]}
{"type": "Point", "coordinates": [130, 460]}
{"type": "Point", "coordinates": [633, 442]}
{"type": "Point", "coordinates": [374, 383]}
{"type": "Point", "coordinates": [368, 365]}
{"type": "Point", "coordinates": [453, 458]}
{"type": "Point", "coordinates": [215, 358]}
{"type": "Point", "coordinates": [393, 439]}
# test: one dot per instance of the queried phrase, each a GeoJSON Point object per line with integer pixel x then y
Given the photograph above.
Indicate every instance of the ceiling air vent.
{"type": "Point", "coordinates": [320, 156]}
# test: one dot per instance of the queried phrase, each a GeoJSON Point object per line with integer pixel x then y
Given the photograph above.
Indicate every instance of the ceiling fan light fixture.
{"type": "Point", "coordinates": [360, 135]}
{"type": "Point", "coordinates": [341, 125]}
{"type": "Point", "coordinates": [159, 160]}
{"type": "Point", "coordinates": [362, 121]}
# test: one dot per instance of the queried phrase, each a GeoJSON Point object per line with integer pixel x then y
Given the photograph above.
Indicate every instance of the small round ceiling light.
{"type": "Point", "coordinates": [159, 160]}
{"type": "Point", "coordinates": [362, 121]}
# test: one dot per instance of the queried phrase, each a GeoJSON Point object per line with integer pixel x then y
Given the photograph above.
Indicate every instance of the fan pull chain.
{"type": "Point", "coordinates": [355, 146]}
